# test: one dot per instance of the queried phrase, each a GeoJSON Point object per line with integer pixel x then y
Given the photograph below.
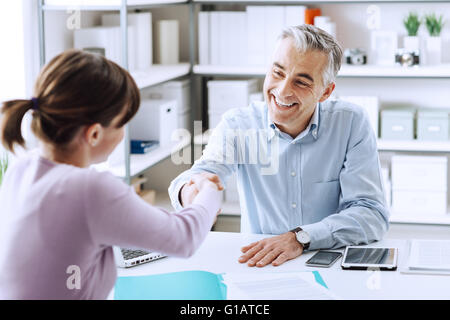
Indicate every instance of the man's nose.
{"type": "Point", "coordinates": [284, 89]}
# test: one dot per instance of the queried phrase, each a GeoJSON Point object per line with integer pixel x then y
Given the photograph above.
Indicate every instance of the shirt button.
{"type": "Point", "coordinates": [294, 205]}
{"type": "Point", "coordinates": [293, 173]}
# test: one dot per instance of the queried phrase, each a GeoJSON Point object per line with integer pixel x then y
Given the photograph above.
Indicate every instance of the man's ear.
{"type": "Point", "coordinates": [94, 134]}
{"type": "Point", "coordinates": [328, 91]}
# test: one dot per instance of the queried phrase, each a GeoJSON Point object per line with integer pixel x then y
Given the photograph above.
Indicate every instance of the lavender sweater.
{"type": "Point", "coordinates": [53, 216]}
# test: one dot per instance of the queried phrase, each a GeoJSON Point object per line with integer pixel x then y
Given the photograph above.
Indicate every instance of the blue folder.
{"type": "Point", "coordinates": [184, 285]}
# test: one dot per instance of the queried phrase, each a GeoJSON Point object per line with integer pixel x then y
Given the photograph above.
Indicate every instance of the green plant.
{"type": "Point", "coordinates": [434, 24]}
{"type": "Point", "coordinates": [412, 23]}
{"type": "Point", "coordinates": [3, 165]}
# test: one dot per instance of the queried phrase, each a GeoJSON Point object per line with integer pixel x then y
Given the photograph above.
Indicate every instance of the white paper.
{"type": "Point", "coordinates": [275, 286]}
{"type": "Point", "coordinates": [429, 255]}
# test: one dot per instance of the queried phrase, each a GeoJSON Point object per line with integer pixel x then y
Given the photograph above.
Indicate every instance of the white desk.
{"type": "Point", "coordinates": [220, 251]}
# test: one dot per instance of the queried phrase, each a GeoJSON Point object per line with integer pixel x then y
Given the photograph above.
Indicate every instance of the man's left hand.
{"type": "Point", "coordinates": [275, 250]}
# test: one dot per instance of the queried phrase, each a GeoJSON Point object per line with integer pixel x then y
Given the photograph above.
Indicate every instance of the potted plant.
{"type": "Point", "coordinates": [3, 165]}
{"type": "Point", "coordinates": [412, 23]}
{"type": "Point", "coordinates": [434, 43]}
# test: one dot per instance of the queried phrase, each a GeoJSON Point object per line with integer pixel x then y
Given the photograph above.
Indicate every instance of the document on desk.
{"type": "Point", "coordinates": [276, 286]}
{"type": "Point", "coordinates": [428, 256]}
{"type": "Point", "coordinates": [204, 285]}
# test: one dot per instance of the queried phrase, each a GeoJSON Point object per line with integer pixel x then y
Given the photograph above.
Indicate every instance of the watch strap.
{"type": "Point", "coordinates": [298, 229]}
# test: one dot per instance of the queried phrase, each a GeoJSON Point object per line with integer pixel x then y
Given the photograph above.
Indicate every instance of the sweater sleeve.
{"type": "Point", "coordinates": [116, 215]}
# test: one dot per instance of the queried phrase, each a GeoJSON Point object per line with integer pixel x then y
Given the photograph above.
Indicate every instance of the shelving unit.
{"type": "Point", "coordinates": [136, 164]}
{"type": "Point", "coordinates": [155, 75]}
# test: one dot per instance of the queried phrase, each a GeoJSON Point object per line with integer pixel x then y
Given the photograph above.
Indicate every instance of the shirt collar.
{"type": "Point", "coordinates": [312, 127]}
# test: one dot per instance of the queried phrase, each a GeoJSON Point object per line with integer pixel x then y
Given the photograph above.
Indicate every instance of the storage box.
{"type": "Point", "coordinates": [397, 124]}
{"type": "Point", "coordinates": [179, 90]}
{"type": "Point", "coordinates": [214, 119]}
{"type": "Point", "coordinates": [422, 203]}
{"type": "Point", "coordinates": [426, 173]}
{"type": "Point", "coordinates": [108, 39]}
{"type": "Point", "coordinates": [224, 95]}
{"type": "Point", "coordinates": [432, 125]}
{"type": "Point", "coordinates": [155, 120]}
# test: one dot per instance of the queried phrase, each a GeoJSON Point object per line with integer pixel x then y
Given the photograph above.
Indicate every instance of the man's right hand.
{"type": "Point", "coordinates": [198, 181]}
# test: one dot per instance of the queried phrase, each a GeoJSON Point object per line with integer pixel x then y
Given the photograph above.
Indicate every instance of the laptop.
{"type": "Point", "coordinates": [126, 258]}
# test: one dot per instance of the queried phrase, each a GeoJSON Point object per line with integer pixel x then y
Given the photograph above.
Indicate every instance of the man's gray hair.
{"type": "Point", "coordinates": [308, 37]}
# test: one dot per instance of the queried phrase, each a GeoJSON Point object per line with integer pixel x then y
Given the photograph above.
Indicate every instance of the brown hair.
{"type": "Point", "coordinates": [74, 89]}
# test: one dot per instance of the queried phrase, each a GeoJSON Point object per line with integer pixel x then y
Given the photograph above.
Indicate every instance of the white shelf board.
{"type": "Point", "coordinates": [141, 162]}
{"type": "Point", "coordinates": [157, 74]}
{"type": "Point", "coordinates": [230, 70]}
{"type": "Point", "coordinates": [103, 5]}
{"type": "Point", "coordinates": [414, 146]}
{"type": "Point", "coordinates": [438, 71]}
{"type": "Point", "coordinates": [425, 219]}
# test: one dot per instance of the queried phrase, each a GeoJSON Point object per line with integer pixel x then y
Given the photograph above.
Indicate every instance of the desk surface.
{"type": "Point", "coordinates": [220, 251]}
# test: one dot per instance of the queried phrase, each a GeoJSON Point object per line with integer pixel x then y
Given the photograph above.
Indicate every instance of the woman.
{"type": "Point", "coordinates": [56, 212]}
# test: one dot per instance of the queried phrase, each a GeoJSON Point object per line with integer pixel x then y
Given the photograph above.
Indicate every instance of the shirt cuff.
{"type": "Point", "coordinates": [176, 196]}
{"type": "Point", "coordinates": [320, 236]}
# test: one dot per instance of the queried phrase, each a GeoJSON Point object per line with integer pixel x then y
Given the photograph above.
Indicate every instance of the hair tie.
{"type": "Point", "coordinates": [35, 104]}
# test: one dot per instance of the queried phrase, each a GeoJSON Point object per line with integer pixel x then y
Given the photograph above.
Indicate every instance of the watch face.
{"type": "Point", "coordinates": [302, 237]}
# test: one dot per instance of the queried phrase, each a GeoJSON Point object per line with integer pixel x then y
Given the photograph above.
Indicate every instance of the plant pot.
{"type": "Point", "coordinates": [433, 50]}
{"type": "Point", "coordinates": [411, 43]}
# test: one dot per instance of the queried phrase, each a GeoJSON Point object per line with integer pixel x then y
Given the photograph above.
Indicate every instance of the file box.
{"type": "Point", "coordinates": [432, 125]}
{"type": "Point", "coordinates": [397, 124]}
{"type": "Point", "coordinates": [155, 120]}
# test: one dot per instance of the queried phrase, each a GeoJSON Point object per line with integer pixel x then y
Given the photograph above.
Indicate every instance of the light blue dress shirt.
{"type": "Point", "coordinates": [327, 180]}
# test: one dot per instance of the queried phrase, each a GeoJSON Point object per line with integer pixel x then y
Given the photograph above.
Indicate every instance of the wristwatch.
{"type": "Point", "coordinates": [302, 237]}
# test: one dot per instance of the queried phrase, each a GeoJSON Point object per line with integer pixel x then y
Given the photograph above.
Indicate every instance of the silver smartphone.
{"type": "Point", "coordinates": [323, 258]}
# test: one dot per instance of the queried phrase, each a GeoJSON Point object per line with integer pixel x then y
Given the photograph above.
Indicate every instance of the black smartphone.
{"type": "Point", "coordinates": [323, 258]}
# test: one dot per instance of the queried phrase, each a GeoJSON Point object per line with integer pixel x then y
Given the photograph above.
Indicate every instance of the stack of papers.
{"type": "Point", "coordinates": [276, 286]}
{"type": "Point", "coordinates": [429, 256]}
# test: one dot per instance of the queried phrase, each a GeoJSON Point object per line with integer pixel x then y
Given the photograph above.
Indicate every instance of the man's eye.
{"type": "Point", "coordinates": [278, 73]}
{"type": "Point", "coordinates": [302, 84]}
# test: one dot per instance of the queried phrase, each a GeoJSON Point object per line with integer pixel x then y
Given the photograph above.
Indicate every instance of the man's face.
{"type": "Point", "coordinates": [293, 86]}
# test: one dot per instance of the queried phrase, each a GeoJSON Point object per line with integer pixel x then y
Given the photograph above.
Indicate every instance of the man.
{"type": "Point", "coordinates": [326, 191]}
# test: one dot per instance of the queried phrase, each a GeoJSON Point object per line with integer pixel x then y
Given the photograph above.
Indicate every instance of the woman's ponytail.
{"type": "Point", "coordinates": [75, 89]}
{"type": "Point", "coordinates": [12, 113]}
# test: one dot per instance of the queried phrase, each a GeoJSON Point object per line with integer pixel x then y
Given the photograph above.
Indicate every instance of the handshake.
{"type": "Point", "coordinates": [197, 183]}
